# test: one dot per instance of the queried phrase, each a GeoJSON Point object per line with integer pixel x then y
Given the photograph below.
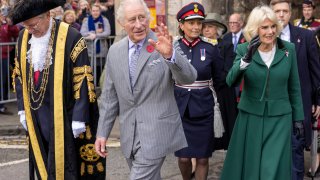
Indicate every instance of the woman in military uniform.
{"type": "Point", "coordinates": [196, 101]}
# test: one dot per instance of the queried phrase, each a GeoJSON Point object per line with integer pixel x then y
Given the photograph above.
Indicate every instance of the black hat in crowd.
{"type": "Point", "coordinates": [27, 9]}
{"type": "Point", "coordinates": [308, 3]}
{"type": "Point", "coordinates": [193, 10]}
{"type": "Point", "coordinates": [216, 19]}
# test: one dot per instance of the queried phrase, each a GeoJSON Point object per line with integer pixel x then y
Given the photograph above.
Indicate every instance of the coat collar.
{"type": "Point", "coordinates": [281, 51]}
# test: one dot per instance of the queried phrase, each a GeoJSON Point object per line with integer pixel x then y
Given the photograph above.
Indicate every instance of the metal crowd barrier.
{"type": "Point", "coordinates": [98, 60]}
{"type": "Point", "coordinates": [7, 54]}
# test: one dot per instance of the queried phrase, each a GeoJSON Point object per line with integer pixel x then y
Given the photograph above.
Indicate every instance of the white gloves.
{"type": "Point", "coordinates": [78, 128]}
{"type": "Point", "coordinates": [23, 119]}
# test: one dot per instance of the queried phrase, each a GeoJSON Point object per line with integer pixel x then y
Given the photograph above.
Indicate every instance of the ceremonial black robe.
{"type": "Point", "coordinates": [69, 96]}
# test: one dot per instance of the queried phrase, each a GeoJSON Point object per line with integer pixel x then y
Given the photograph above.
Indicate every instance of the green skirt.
{"type": "Point", "coordinates": [259, 149]}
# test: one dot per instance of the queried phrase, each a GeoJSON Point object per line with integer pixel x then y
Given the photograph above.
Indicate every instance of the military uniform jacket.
{"type": "Point", "coordinates": [206, 59]}
{"type": "Point", "coordinates": [275, 89]}
{"type": "Point", "coordinates": [311, 24]}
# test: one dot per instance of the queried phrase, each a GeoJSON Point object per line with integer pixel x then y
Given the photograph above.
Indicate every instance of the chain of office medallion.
{"type": "Point", "coordinates": [45, 75]}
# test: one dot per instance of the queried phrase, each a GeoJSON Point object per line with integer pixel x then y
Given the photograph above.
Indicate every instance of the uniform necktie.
{"type": "Point", "coordinates": [133, 63]}
{"type": "Point", "coordinates": [235, 43]}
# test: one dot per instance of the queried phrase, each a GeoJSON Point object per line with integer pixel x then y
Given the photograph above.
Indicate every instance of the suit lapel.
{"type": "Point", "coordinates": [124, 61]}
{"type": "Point", "coordinates": [295, 38]}
{"type": "Point", "coordinates": [143, 58]}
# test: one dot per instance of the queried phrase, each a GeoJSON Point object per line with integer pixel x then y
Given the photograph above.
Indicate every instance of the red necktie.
{"type": "Point", "coordinates": [36, 77]}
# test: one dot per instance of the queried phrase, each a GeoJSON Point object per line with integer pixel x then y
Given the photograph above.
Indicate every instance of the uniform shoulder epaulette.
{"type": "Point", "coordinates": [208, 40]}
{"type": "Point", "coordinates": [296, 22]}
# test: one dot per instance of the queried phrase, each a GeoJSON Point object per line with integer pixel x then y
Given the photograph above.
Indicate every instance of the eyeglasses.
{"type": "Point", "coordinates": [139, 18]}
{"type": "Point", "coordinates": [233, 23]}
{"type": "Point", "coordinates": [33, 27]}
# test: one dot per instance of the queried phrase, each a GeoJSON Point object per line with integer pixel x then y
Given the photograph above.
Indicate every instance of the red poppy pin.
{"type": "Point", "coordinates": [150, 48]}
{"type": "Point", "coordinates": [243, 40]}
{"type": "Point", "coordinates": [287, 53]}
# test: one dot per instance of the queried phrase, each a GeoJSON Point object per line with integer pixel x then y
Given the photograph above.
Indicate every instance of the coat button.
{"type": "Point", "coordinates": [189, 89]}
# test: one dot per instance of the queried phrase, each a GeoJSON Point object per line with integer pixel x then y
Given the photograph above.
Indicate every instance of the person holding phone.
{"type": "Point", "coordinates": [96, 26]}
{"type": "Point", "coordinates": [270, 104]}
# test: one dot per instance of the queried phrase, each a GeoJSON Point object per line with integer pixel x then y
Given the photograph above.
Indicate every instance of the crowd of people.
{"type": "Point", "coordinates": [251, 87]}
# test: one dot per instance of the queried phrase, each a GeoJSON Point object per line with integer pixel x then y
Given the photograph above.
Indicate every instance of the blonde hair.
{"type": "Point", "coordinates": [67, 12]}
{"type": "Point", "coordinates": [256, 18]}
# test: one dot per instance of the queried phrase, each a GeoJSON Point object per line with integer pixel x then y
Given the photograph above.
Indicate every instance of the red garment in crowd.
{"type": "Point", "coordinates": [8, 33]}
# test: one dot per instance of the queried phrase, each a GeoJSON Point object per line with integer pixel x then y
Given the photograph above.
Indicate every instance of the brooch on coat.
{"type": "Point", "coordinates": [202, 54]}
{"type": "Point", "coordinates": [287, 53]}
{"type": "Point", "coordinates": [298, 40]}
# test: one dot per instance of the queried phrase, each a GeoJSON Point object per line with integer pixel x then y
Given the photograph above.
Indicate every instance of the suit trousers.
{"type": "Point", "coordinates": [140, 167]}
{"type": "Point", "coordinates": [297, 158]}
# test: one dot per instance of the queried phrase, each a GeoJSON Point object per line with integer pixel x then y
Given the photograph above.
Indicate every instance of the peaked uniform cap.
{"type": "Point", "coordinates": [308, 3]}
{"type": "Point", "coordinates": [193, 10]}
{"type": "Point", "coordinates": [27, 9]}
{"type": "Point", "coordinates": [214, 18]}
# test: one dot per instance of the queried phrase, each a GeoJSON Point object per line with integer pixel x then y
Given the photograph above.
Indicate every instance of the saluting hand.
{"type": "Point", "coordinates": [164, 43]}
{"type": "Point", "coordinates": [252, 48]}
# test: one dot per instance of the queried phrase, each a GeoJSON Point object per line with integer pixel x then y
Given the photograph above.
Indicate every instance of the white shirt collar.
{"type": "Point", "coordinates": [237, 34]}
{"type": "Point", "coordinates": [140, 43]}
{"type": "Point", "coordinates": [285, 33]}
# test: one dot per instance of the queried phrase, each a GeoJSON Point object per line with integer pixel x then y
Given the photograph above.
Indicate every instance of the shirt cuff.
{"type": "Point", "coordinates": [173, 57]}
{"type": "Point", "coordinates": [78, 125]}
{"type": "Point", "coordinates": [21, 112]}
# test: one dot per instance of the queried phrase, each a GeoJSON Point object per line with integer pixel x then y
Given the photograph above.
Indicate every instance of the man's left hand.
{"type": "Point", "coordinates": [316, 111]}
{"type": "Point", "coordinates": [164, 43]}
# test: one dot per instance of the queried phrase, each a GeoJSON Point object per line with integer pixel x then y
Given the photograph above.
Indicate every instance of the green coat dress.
{"type": "Point", "coordinates": [260, 146]}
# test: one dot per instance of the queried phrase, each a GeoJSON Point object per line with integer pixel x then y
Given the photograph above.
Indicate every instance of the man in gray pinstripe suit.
{"type": "Point", "coordinates": [150, 124]}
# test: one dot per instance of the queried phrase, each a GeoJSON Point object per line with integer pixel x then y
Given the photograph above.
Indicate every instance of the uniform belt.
{"type": "Point", "coordinates": [196, 85]}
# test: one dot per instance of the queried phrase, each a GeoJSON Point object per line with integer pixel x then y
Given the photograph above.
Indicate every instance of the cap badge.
{"type": "Point", "coordinates": [195, 8]}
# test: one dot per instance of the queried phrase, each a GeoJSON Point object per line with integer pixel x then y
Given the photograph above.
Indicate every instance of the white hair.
{"type": "Point", "coordinates": [124, 3]}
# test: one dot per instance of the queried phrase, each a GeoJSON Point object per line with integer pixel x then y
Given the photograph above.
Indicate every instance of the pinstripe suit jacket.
{"type": "Point", "coordinates": [150, 105]}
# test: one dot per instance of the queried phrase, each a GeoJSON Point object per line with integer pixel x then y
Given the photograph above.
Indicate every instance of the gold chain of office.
{"type": "Point", "coordinates": [37, 96]}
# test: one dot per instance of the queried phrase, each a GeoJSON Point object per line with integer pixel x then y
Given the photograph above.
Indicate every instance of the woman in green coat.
{"type": "Point", "coordinates": [270, 103]}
